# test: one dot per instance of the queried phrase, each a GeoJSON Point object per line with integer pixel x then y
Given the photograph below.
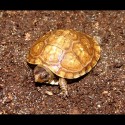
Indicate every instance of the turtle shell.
{"type": "Point", "coordinates": [67, 53]}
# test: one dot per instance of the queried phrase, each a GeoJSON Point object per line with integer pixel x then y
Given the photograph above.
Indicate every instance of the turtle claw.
{"type": "Point", "coordinates": [63, 94]}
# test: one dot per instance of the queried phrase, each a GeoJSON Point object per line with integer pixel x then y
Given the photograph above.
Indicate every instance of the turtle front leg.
{"type": "Point", "coordinates": [63, 86]}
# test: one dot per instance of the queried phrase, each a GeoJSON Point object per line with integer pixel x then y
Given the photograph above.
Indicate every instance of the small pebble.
{"type": "Point", "coordinates": [48, 93]}
{"type": "Point", "coordinates": [27, 36]}
{"type": "Point", "coordinates": [105, 92]}
{"type": "Point", "coordinates": [98, 106]}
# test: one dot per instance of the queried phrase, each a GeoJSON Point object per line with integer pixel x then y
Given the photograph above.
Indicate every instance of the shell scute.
{"type": "Point", "coordinates": [70, 62]}
{"type": "Point", "coordinates": [51, 54]}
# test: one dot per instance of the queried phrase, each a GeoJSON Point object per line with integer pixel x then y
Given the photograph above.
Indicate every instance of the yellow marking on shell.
{"type": "Point", "coordinates": [69, 75]}
{"type": "Point", "coordinates": [85, 58]}
{"type": "Point", "coordinates": [59, 41]}
{"type": "Point", "coordinates": [97, 49]}
{"type": "Point", "coordinates": [31, 60]}
{"type": "Point", "coordinates": [96, 56]}
{"type": "Point", "coordinates": [85, 41]}
{"type": "Point", "coordinates": [70, 62]}
{"type": "Point", "coordinates": [54, 68]}
{"type": "Point", "coordinates": [47, 49]}
{"type": "Point", "coordinates": [51, 38]}
{"type": "Point", "coordinates": [87, 45]}
{"type": "Point", "coordinates": [51, 57]}
{"type": "Point", "coordinates": [59, 32]}
{"type": "Point", "coordinates": [82, 72]}
{"type": "Point", "coordinates": [93, 63]}
{"type": "Point", "coordinates": [36, 49]}
{"type": "Point", "coordinates": [61, 73]}
{"type": "Point", "coordinates": [76, 75]}
{"type": "Point", "coordinates": [38, 61]}
{"type": "Point", "coordinates": [66, 45]}
{"type": "Point", "coordinates": [77, 48]}
{"type": "Point", "coordinates": [51, 54]}
{"type": "Point", "coordinates": [88, 68]}
{"type": "Point", "coordinates": [82, 54]}
{"type": "Point", "coordinates": [73, 35]}
{"type": "Point", "coordinates": [96, 45]}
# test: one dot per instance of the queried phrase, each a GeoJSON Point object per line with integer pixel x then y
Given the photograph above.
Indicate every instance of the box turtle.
{"type": "Point", "coordinates": [67, 54]}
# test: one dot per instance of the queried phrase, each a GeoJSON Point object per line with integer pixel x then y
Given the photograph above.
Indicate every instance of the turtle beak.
{"type": "Point", "coordinates": [38, 79]}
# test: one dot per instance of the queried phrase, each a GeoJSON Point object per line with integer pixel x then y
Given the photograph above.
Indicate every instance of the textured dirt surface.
{"type": "Point", "coordinates": [102, 91]}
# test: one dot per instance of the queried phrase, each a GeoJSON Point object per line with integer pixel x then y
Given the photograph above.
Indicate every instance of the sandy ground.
{"type": "Point", "coordinates": [102, 91]}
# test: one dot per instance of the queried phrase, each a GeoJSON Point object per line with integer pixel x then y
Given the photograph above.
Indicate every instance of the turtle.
{"type": "Point", "coordinates": [63, 53]}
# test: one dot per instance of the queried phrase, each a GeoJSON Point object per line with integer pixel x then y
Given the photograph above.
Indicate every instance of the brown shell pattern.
{"type": "Point", "coordinates": [67, 53]}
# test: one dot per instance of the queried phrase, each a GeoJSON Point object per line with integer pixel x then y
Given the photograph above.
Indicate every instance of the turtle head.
{"type": "Point", "coordinates": [42, 74]}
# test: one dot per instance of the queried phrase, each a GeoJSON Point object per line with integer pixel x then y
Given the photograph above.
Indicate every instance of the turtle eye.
{"type": "Point", "coordinates": [44, 75]}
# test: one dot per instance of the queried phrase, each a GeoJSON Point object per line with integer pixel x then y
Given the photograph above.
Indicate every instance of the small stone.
{"type": "Point", "coordinates": [105, 92]}
{"type": "Point", "coordinates": [27, 36]}
{"type": "Point", "coordinates": [1, 86]}
{"type": "Point", "coordinates": [1, 14]}
{"type": "Point", "coordinates": [10, 96]}
{"type": "Point", "coordinates": [98, 106]}
{"type": "Point", "coordinates": [48, 93]}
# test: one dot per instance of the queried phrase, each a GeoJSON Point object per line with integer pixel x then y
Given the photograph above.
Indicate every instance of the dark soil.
{"type": "Point", "coordinates": [102, 91]}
